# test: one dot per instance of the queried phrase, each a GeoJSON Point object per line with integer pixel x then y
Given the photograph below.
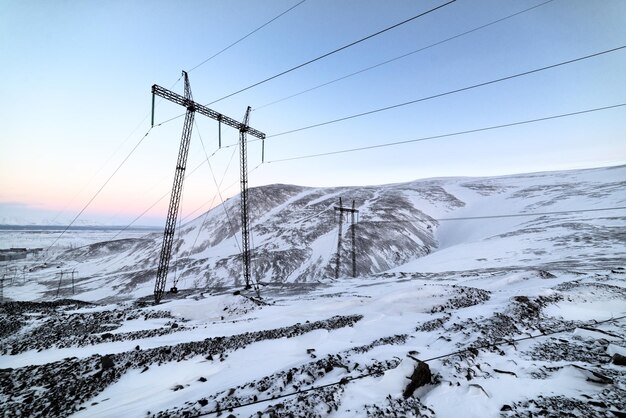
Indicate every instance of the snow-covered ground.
{"type": "Point", "coordinates": [44, 237]}
{"type": "Point", "coordinates": [513, 315]}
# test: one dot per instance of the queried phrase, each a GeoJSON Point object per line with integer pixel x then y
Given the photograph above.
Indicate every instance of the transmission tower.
{"type": "Point", "coordinates": [352, 211]}
{"type": "Point", "coordinates": [170, 225]}
{"type": "Point", "coordinates": [245, 221]}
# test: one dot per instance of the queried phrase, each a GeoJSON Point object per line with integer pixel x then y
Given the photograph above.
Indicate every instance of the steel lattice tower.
{"type": "Point", "coordinates": [170, 225]}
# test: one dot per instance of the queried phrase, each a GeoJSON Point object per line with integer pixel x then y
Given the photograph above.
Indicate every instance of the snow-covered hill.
{"type": "Point", "coordinates": [510, 291]}
{"type": "Point", "coordinates": [426, 225]}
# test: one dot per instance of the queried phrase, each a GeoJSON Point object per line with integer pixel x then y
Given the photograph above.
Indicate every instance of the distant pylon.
{"type": "Point", "coordinates": [60, 278]}
{"type": "Point", "coordinates": [352, 211]}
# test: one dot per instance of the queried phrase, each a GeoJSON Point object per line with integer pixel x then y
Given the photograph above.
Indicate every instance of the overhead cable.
{"type": "Point", "coordinates": [100, 189]}
{"type": "Point", "coordinates": [226, 188]}
{"type": "Point", "coordinates": [166, 194]}
{"type": "Point", "coordinates": [427, 138]}
{"type": "Point", "coordinates": [101, 168]}
{"type": "Point", "coordinates": [474, 86]}
{"type": "Point", "coordinates": [219, 193]}
{"type": "Point", "coordinates": [508, 215]}
{"type": "Point", "coordinates": [332, 52]}
{"type": "Point", "coordinates": [427, 218]}
{"type": "Point", "coordinates": [246, 36]}
{"type": "Point", "coordinates": [380, 64]}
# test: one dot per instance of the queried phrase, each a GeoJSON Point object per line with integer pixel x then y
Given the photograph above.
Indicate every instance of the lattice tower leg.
{"type": "Point", "coordinates": [172, 213]}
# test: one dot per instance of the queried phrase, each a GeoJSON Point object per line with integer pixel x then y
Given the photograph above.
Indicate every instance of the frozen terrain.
{"type": "Point", "coordinates": [37, 236]}
{"type": "Point", "coordinates": [511, 290]}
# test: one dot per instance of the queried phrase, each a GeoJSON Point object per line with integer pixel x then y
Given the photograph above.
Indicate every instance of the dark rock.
{"type": "Point", "coordinates": [174, 325]}
{"type": "Point", "coordinates": [203, 402]}
{"type": "Point", "coordinates": [618, 360]}
{"type": "Point", "coordinates": [73, 382]}
{"type": "Point", "coordinates": [595, 377]}
{"type": "Point", "coordinates": [420, 377]}
{"type": "Point", "coordinates": [202, 379]}
{"type": "Point", "coordinates": [504, 372]}
{"type": "Point", "coordinates": [106, 362]}
{"type": "Point", "coordinates": [506, 407]}
{"type": "Point", "coordinates": [546, 274]}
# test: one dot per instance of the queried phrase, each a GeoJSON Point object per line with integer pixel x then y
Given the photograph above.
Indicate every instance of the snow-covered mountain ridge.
{"type": "Point", "coordinates": [404, 226]}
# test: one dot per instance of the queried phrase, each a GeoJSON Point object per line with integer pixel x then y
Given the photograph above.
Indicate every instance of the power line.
{"type": "Point", "coordinates": [402, 56]}
{"type": "Point", "coordinates": [382, 109]}
{"type": "Point", "coordinates": [156, 202]}
{"type": "Point", "coordinates": [246, 36]}
{"type": "Point", "coordinates": [225, 49]}
{"type": "Point", "coordinates": [114, 153]}
{"type": "Point", "coordinates": [200, 64]}
{"type": "Point", "coordinates": [332, 52]}
{"type": "Point", "coordinates": [470, 218]}
{"type": "Point", "coordinates": [101, 168]}
{"type": "Point", "coordinates": [100, 189]}
{"type": "Point", "coordinates": [408, 141]}
{"type": "Point", "coordinates": [217, 187]}
{"type": "Point", "coordinates": [168, 193]}
{"type": "Point", "coordinates": [226, 188]}
{"type": "Point", "coordinates": [347, 380]}
{"type": "Point", "coordinates": [210, 202]}
{"type": "Point", "coordinates": [105, 163]}
{"type": "Point", "coordinates": [510, 215]}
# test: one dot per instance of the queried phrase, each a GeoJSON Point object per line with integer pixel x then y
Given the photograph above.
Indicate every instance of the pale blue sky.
{"type": "Point", "coordinates": [76, 77]}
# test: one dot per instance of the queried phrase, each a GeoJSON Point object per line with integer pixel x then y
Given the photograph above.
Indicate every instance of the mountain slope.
{"type": "Point", "coordinates": [522, 314]}
{"type": "Point", "coordinates": [426, 225]}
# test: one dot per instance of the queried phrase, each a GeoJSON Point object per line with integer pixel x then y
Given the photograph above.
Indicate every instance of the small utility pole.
{"type": "Point", "coordinates": [60, 278]}
{"type": "Point", "coordinates": [352, 211]}
{"type": "Point", "coordinates": [2, 289]}
{"type": "Point", "coordinates": [73, 271]}
{"type": "Point", "coordinates": [340, 233]}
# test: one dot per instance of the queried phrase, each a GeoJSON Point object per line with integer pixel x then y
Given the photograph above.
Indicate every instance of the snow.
{"type": "Point", "coordinates": [584, 311]}
{"type": "Point", "coordinates": [552, 283]}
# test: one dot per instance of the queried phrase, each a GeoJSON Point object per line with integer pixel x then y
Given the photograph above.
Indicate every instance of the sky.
{"type": "Point", "coordinates": [76, 77]}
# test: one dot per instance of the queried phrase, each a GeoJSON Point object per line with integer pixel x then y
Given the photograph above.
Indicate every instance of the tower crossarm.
{"type": "Point", "coordinates": [203, 110]}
